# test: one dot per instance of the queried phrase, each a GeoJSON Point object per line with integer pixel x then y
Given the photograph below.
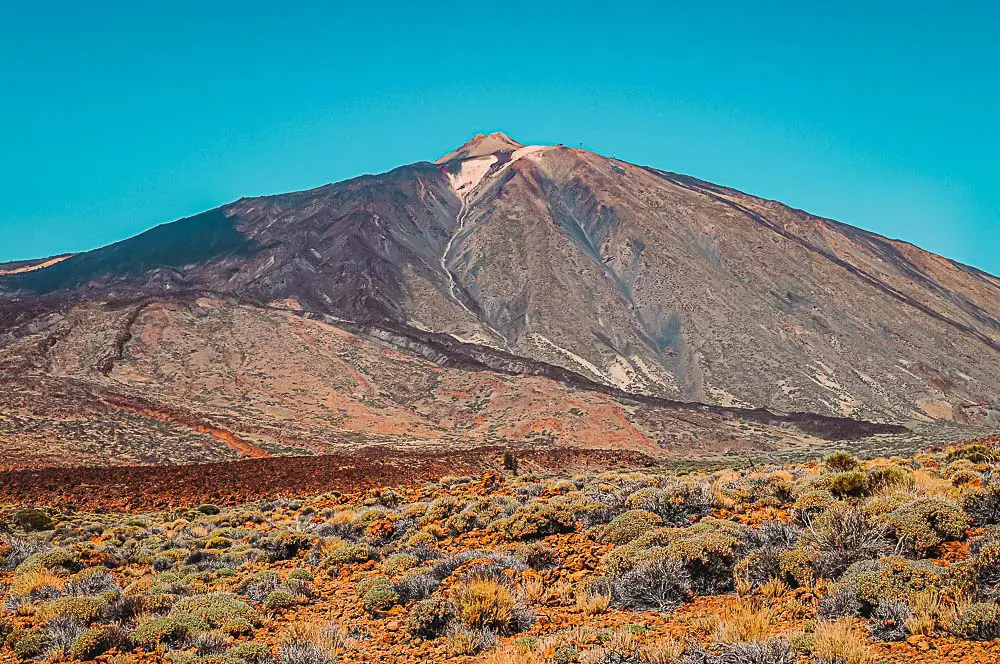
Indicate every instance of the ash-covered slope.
{"type": "Point", "coordinates": [644, 280]}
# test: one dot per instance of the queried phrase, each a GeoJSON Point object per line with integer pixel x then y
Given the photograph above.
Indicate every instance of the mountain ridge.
{"type": "Point", "coordinates": [646, 282]}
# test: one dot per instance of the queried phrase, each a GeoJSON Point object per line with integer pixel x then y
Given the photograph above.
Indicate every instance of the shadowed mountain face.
{"type": "Point", "coordinates": [639, 280]}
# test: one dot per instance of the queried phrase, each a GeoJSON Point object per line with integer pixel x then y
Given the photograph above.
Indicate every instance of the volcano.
{"type": "Point", "coordinates": [504, 294]}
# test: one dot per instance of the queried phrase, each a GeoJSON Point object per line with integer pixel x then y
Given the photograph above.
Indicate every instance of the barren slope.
{"type": "Point", "coordinates": [265, 325]}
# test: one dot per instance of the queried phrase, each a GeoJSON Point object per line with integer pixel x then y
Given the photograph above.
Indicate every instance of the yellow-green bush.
{"type": "Point", "coordinates": [221, 611]}
{"type": "Point", "coordinates": [629, 525]}
{"type": "Point", "coordinates": [430, 617]}
{"type": "Point", "coordinates": [535, 520]}
{"type": "Point", "coordinates": [925, 523]}
{"type": "Point", "coordinates": [84, 609]}
{"type": "Point", "coordinates": [847, 483]}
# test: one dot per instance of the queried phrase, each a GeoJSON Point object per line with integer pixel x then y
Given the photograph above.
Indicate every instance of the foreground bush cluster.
{"type": "Point", "coordinates": [821, 562]}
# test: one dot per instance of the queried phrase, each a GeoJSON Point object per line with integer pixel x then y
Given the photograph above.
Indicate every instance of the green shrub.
{"type": "Point", "coordinates": [841, 461]}
{"type": "Point", "coordinates": [286, 544]}
{"type": "Point", "coordinates": [166, 630]}
{"type": "Point", "coordinates": [629, 525]}
{"type": "Point", "coordinates": [221, 611]}
{"type": "Point", "coordinates": [891, 578]}
{"type": "Point", "coordinates": [441, 509]}
{"type": "Point", "coordinates": [32, 519]}
{"type": "Point", "coordinates": [882, 478]}
{"type": "Point", "coordinates": [926, 523]}
{"type": "Point", "coordinates": [429, 618]}
{"type": "Point", "coordinates": [248, 653]}
{"type": "Point", "coordinates": [280, 598]}
{"type": "Point", "coordinates": [29, 645]}
{"type": "Point", "coordinates": [208, 509]}
{"type": "Point", "coordinates": [675, 504]}
{"type": "Point", "coordinates": [847, 483]}
{"type": "Point", "coordinates": [301, 575]}
{"type": "Point", "coordinates": [797, 566]}
{"type": "Point", "coordinates": [95, 642]}
{"type": "Point", "coordinates": [57, 560]}
{"type": "Point", "coordinates": [533, 521]}
{"type": "Point", "coordinates": [877, 507]}
{"type": "Point", "coordinates": [982, 505]}
{"type": "Point", "coordinates": [399, 562]}
{"type": "Point", "coordinates": [978, 622]}
{"type": "Point", "coordinates": [379, 596]}
{"type": "Point", "coordinates": [814, 501]}
{"type": "Point", "coordinates": [774, 489]}
{"type": "Point", "coordinates": [975, 453]}
{"type": "Point", "coordinates": [709, 550]}
{"type": "Point", "coordinates": [84, 609]}
{"type": "Point", "coordinates": [348, 554]}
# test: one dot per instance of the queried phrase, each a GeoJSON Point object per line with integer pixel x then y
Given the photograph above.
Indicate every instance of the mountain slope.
{"type": "Point", "coordinates": [644, 281]}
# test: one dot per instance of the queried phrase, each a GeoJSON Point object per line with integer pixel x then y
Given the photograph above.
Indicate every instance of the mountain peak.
{"type": "Point", "coordinates": [481, 145]}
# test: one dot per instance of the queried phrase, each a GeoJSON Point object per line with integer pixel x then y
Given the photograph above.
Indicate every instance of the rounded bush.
{"type": "Point", "coordinates": [94, 642]}
{"type": "Point", "coordinates": [978, 622]}
{"type": "Point", "coordinates": [881, 478]}
{"type": "Point", "coordinates": [221, 611]}
{"type": "Point", "coordinates": [926, 523]}
{"type": "Point", "coordinates": [484, 604]}
{"type": "Point", "coordinates": [814, 502]}
{"type": "Point", "coordinates": [841, 461]}
{"type": "Point", "coordinates": [847, 483]}
{"type": "Point", "coordinates": [379, 596]}
{"type": "Point", "coordinates": [29, 645]}
{"type": "Point", "coordinates": [975, 453]}
{"type": "Point", "coordinates": [82, 609]}
{"type": "Point", "coordinates": [429, 618]}
{"type": "Point", "coordinates": [280, 598]}
{"type": "Point", "coordinates": [32, 519]}
{"type": "Point", "coordinates": [534, 521]}
{"type": "Point", "coordinates": [628, 526]}
{"type": "Point", "coordinates": [164, 630]}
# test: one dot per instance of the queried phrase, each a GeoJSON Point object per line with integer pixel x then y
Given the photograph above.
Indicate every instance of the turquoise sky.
{"type": "Point", "coordinates": [116, 116]}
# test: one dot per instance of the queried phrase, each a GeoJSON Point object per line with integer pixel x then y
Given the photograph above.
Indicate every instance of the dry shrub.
{"type": "Point", "coordinates": [925, 610]}
{"type": "Point", "coordinates": [561, 591]}
{"type": "Point", "coordinates": [836, 643]}
{"type": "Point", "coordinates": [593, 600]}
{"type": "Point", "coordinates": [327, 637]}
{"type": "Point", "coordinates": [534, 588]}
{"type": "Point", "coordinates": [484, 604]}
{"type": "Point", "coordinates": [28, 582]}
{"type": "Point", "coordinates": [773, 589]}
{"type": "Point", "coordinates": [744, 623]}
{"type": "Point", "coordinates": [513, 655]}
{"type": "Point", "coordinates": [666, 651]}
{"type": "Point", "coordinates": [704, 625]}
{"type": "Point", "coordinates": [622, 640]}
{"type": "Point", "coordinates": [465, 641]}
{"type": "Point", "coordinates": [931, 486]}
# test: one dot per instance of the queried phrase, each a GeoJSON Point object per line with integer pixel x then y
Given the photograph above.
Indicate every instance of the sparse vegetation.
{"type": "Point", "coordinates": [841, 562]}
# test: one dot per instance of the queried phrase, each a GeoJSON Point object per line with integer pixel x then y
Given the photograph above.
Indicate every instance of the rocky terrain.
{"type": "Point", "coordinates": [201, 379]}
{"type": "Point", "coordinates": [510, 295]}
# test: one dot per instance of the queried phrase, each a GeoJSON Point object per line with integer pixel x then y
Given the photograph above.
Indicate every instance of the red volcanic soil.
{"type": "Point", "coordinates": [159, 487]}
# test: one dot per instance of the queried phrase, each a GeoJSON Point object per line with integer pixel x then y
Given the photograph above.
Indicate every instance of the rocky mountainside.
{"type": "Point", "coordinates": [587, 272]}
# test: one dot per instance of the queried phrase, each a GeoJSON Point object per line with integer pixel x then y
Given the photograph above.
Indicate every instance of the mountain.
{"type": "Point", "coordinates": [362, 311]}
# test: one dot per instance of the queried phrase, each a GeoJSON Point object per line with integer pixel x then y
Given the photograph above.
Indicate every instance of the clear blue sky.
{"type": "Point", "coordinates": [116, 116]}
